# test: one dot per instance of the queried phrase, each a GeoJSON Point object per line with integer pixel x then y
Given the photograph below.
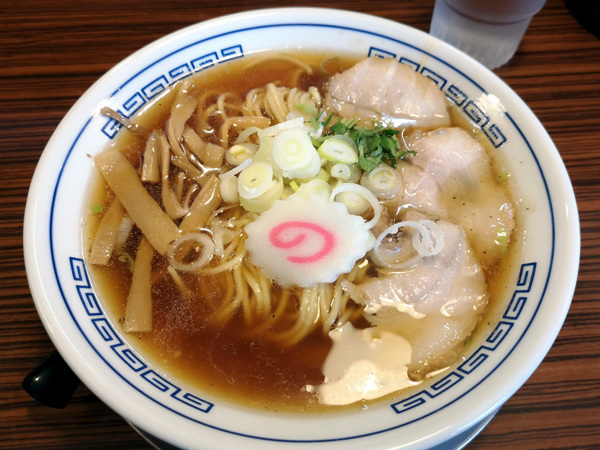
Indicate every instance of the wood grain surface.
{"type": "Point", "coordinates": [51, 51]}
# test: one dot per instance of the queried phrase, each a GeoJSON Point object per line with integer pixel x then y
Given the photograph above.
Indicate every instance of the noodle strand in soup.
{"type": "Point", "coordinates": [222, 319]}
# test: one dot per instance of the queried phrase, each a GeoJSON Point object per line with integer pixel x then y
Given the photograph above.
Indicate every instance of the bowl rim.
{"type": "Point", "coordinates": [65, 345]}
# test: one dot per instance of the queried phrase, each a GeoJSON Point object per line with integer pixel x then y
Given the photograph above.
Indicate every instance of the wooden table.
{"type": "Point", "coordinates": [51, 51]}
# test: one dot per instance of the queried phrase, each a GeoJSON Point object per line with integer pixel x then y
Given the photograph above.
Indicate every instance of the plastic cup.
{"type": "Point", "coordinates": [488, 30]}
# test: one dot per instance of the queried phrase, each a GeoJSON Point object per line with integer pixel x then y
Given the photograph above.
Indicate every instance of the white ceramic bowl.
{"type": "Point", "coordinates": [446, 411]}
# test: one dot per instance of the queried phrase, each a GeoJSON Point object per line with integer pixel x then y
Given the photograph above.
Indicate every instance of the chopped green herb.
{"type": "Point", "coordinates": [316, 123]}
{"type": "Point", "coordinates": [327, 121]}
{"type": "Point", "coordinates": [125, 257]}
{"type": "Point", "coordinates": [368, 164]}
{"type": "Point", "coordinates": [349, 123]}
{"type": "Point", "coordinates": [97, 208]}
{"type": "Point", "coordinates": [375, 146]}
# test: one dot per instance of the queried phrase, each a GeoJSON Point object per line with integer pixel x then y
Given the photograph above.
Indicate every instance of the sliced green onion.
{"type": "Point", "coordinates": [366, 194]}
{"type": "Point", "coordinates": [427, 241]}
{"type": "Point", "coordinates": [431, 243]}
{"type": "Point", "coordinates": [322, 65]}
{"type": "Point", "coordinates": [233, 172]}
{"type": "Point", "coordinates": [383, 181]}
{"type": "Point", "coordinates": [340, 149]}
{"type": "Point", "coordinates": [229, 190]}
{"type": "Point", "coordinates": [287, 192]}
{"type": "Point", "coordinates": [263, 202]}
{"type": "Point", "coordinates": [255, 179]}
{"type": "Point", "coordinates": [292, 149]}
{"type": "Point", "coordinates": [315, 187]}
{"type": "Point", "coordinates": [125, 257]}
{"type": "Point", "coordinates": [200, 243]}
{"type": "Point", "coordinates": [295, 155]}
{"type": "Point", "coordinates": [246, 134]}
{"type": "Point", "coordinates": [341, 171]}
{"type": "Point", "coordinates": [273, 130]}
{"type": "Point", "coordinates": [322, 174]}
{"type": "Point", "coordinates": [355, 203]}
{"type": "Point", "coordinates": [97, 208]}
{"type": "Point", "coordinates": [239, 153]}
{"type": "Point", "coordinates": [307, 109]}
{"type": "Point", "coordinates": [356, 173]}
{"type": "Point", "coordinates": [265, 149]}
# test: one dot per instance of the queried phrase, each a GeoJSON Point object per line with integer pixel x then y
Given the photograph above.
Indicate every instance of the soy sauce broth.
{"type": "Point", "coordinates": [228, 362]}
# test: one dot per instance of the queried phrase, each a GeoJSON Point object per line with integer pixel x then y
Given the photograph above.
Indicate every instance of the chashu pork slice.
{"type": "Point", "coordinates": [386, 91]}
{"type": "Point", "coordinates": [435, 305]}
{"type": "Point", "coordinates": [468, 188]}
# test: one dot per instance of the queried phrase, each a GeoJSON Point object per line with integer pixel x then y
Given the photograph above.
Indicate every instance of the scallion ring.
{"type": "Point", "coordinates": [198, 243]}
{"type": "Point", "coordinates": [367, 194]}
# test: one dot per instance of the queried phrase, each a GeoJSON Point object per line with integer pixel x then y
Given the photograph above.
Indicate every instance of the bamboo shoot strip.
{"type": "Point", "coordinates": [182, 109]}
{"type": "Point", "coordinates": [203, 206]}
{"type": "Point", "coordinates": [151, 166]}
{"type": "Point", "coordinates": [123, 180]}
{"type": "Point", "coordinates": [194, 143]}
{"type": "Point", "coordinates": [107, 233]}
{"type": "Point", "coordinates": [169, 199]}
{"type": "Point", "coordinates": [138, 312]}
{"type": "Point", "coordinates": [211, 155]}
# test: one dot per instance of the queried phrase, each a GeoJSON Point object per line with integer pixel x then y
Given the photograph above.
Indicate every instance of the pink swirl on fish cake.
{"type": "Point", "coordinates": [298, 239]}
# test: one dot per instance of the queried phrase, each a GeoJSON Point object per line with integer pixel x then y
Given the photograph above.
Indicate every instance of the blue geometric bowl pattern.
{"type": "Point", "coordinates": [481, 354]}
{"type": "Point", "coordinates": [477, 366]}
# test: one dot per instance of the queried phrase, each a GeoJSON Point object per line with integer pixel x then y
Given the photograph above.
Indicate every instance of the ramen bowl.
{"type": "Point", "coordinates": [444, 411]}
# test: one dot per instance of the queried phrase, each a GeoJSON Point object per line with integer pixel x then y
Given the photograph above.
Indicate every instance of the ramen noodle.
{"type": "Point", "coordinates": [299, 231]}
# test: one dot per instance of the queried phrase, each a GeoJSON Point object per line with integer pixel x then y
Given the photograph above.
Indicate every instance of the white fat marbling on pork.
{"type": "Point", "coordinates": [447, 152]}
{"type": "Point", "coordinates": [387, 91]}
{"type": "Point", "coordinates": [447, 291]}
{"type": "Point", "coordinates": [460, 166]}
